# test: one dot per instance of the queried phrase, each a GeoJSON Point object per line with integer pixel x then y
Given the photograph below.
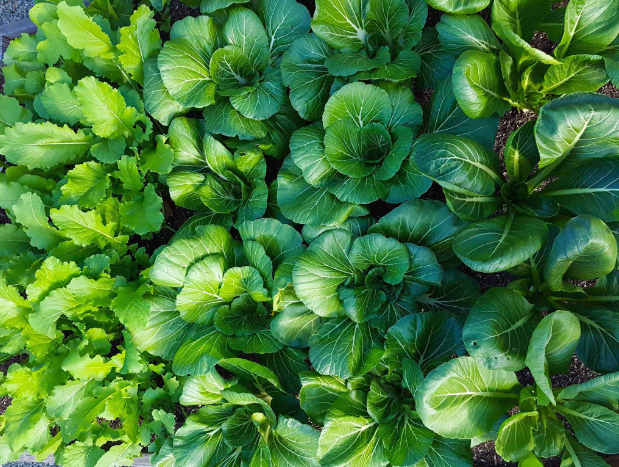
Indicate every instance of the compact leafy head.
{"type": "Point", "coordinates": [352, 41]}
{"type": "Point", "coordinates": [491, 77]}
{"type": "Point", "coordinates": [228, 64]}
{"type": "Point", "coordinates": [356, 155]}
{"type": "Point", "coordinates": [361, 284]}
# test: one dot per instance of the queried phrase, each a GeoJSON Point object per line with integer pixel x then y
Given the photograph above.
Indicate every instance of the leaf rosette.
{"type": "Point", "coordinates": [358, 154]}
{"type": "Point", "coordinates": [225, 294]}
{"type": "Point", "coordinates": [574, 178]}
{"type": "Point", "coordinates": [209, 177]}
{"type": "Point", "coordinates": [361, 283]}
{"type": "Point", "coordinates": [229, 65]}
{"type": "Point", "coordinates": [372, 419]}
{"type": "Point", "coordinates": [352, 41]}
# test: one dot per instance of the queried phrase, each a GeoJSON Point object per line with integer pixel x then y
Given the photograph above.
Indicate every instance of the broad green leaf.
{"type": "Point", "coordinates": [52, 274]}
{"type": "Point", "coordinates": [287, 363]}
{"type": "Point", "coordinates": [602, 390]}
{"type": "Point", "coordinates": [120, 454]}
{"type": "Point", "coordinates": [200, 438]}
{"type": "Point", "coordinates": [341, 24]}
{"type": "Point", "coordinates": [30, 213]}
{"type": "Point", "coordinates": [294, 325]}
{"type": "Point", "coordinates": [590, 25]}
{"type": "Point", "coordinates": [85, 228]}
{"type": "Point", "coordinates": [304, 72]}
{"type": "Point", "coordinates": [358, 103]}
{"type": "Point", "coordinates": [79, 453]}
{"type": "Point", "coordinates": [174, 260]}
{"type": "Point", "coordinates": [422, 222]}
{"type": "Point", "coordinates": [130, 307]}
{"type": "Point", "coordinates": [577, 73]}
{"type": "Point", "coordinates": [459, 33]}
{"type": "Point", "coordinates": [551, 348]}
{"type": "Point", "coordinates": [318, 393]}
{"type": "Point", "coordinates": [11, 113]}
{"type": "Point", "coordinates": [521, 153]}
{"type": "Point", "coordinates": [406, 439]}
{"type": "Point", "coordinates": [187, 136]}
{"type": "Point", "coordinates": [230, 68]}
{"type": "Point", "coordinates": [515, 439]}
{"type": "Point", "coordinates": [594, 426]}
{"type": "Point", "coordinates": [164, 331]}
{"type": "Point", "coordinates": [549, 434]}
{"type": "Point", "coordinates": [24, 420]}
{"type": "Point", "coordinates": [84, 367]}
{"type": "Point", "coordinates": [205, 389]}
{"type": "Point", "coordinates": [500, 243]}
{"type": "Point", "coordinates": [436, 63]}
{"type": "Point", "coordinates": [104, 108]}
{"type": "Point", "coordinates": [241, 280]}
{"type": "Point", "coordinates": [157, 99]}
{"type": "Point", "coordinates": [200, 294]}
{"type": "Point", "coordinates": [65, 398]}
{"type": "Point", "coordinates": [83, 33]}
{"type": "Point", "coordinates": [43, 145]}
{"type": "Point", "coordinates": [457, 294]}
{"type": "Point", "coordinates": [457, 164]}
{"type": "Point", "coordinates": [321, 270]}
{"type": "Point", "coordinates": [593, 189]}
{"type": "Point", "coordinates": [244, 29]}
{"type": "Point", "coordinates": [428, 339]}
{"type": "Point", "coordinates": [293, 443]}
{"type": "Point", "coordinates": [87, 185]}
{"type": "Point", "coordinates": [264, 101]}
{"type": "Point", "coordinates": [597, 346]}
{"type": "Point", "coordinates": [13, 240]}
{"type": "Point", "coordinates": [343, 348]}
{"type": "Point", "coordinates": [576, 455]}
{"type": "Point", "coordinates": [252, 372]}
{"type": "Point", "coordinates": [584, 249]}
{"type": "Point", "coordinates": [574, 129]}
{"type": "Point", "coordinates": [303, 203]}
{"type": "Point", "coordinates": [523, 54]}
{"type": "Point", "coordinates": [350, 440]}
{"type": "Point", "coordinates": [109, 150]}
{"type": "Point", "coordinates": [143, 213]}
{"type": "Point", "coordinates": [285, 22]}
{"type": "Point", "coordinates": [460, 7]}
{"type": "Point", "coordinates": [553, 24]}
{"type": "Point", "coordinates": [138, 42]}
{"type": "Point", "coordinates": [479, 86]}
{"type": "Point", "coordinates": [225, 120]}
{"type": "Point", "coordinates": [61, 103]}
{"type": "Point", "coordinates": [198, 356]}
{"type": "Point", "coordinates": [376, 250]}
{"type": "Point", "coordinates": [498, 329]}
{"type": "Point", "coordinates": [462, 399]}
{"type": "Point", "coordinates": [520, 16]}
{"type": "Point", "coordinates": [446, 116]}
{"type": "Point", "coordinates": [446, 452]}
{"type": "Point", "coordinates": [347, 64]}
{"type": "Point", "coordinates": [184, 69]}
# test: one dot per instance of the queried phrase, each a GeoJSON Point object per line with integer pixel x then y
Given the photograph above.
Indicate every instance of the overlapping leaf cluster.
{"type": "Point", "coordinates": [294, 320]}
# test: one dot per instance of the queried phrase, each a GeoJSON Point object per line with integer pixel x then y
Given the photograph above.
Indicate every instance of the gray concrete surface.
{"type": "Point", "coordinates": [14, 10]}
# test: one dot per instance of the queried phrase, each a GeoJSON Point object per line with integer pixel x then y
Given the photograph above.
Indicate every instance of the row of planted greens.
{"type": "Point", "coordinates": [317, 306]}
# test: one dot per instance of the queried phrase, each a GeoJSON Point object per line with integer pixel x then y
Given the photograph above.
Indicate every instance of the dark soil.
{"type": "Point", "coordinates": [178, 10]}
{"type": "Point", "coordinates": [509, 123]}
